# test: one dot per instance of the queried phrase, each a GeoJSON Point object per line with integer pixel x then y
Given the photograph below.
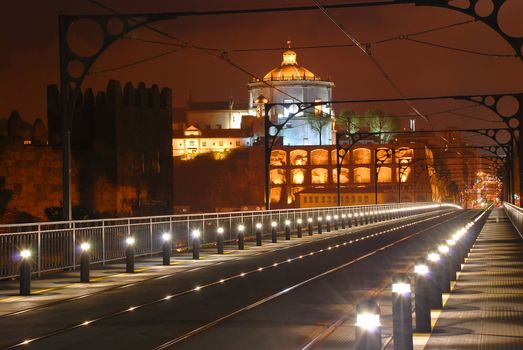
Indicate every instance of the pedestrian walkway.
{"type": "Point", "coordinates": [485, 308]}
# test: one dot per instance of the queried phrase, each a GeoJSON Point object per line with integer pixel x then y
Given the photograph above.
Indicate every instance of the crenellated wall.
{"type": "Point", "coordinates": [122, 154]}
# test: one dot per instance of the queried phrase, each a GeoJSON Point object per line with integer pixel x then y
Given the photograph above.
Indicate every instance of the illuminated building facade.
{"type": "Point", "coordinates": [194, 141]}
{"type": "Point", "coordinates": [290, 83]}
{"type": "Point", "coordinates": [306, 176]}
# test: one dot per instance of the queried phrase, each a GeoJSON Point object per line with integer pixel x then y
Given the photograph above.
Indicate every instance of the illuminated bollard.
{"type": "Point", "coordinates": [241, 237]}
{"type": "Point", "coordinates": [366, 215]}
{"type": "Point", "coordinates": [454, 257]}
{"type": "Point", "coordinates": [196, 244]}
{"type": "Point", "coordinates": [129, 255]}
{"type": "Point", "coordinates": [298, 228]}
{"type": "Point", "coordinates": [166, 249]}
{"type": "Point", "coordinates": [274, 232]}
{"type": "Point", "coordinates": [287, 230]}
{"type": "Point", "coordinates": [349, 219]}
{"type": "Point", "coordinates": [85, 262]}
{"type": "Point", "coordinates": [335, 222]}
{"type": "Point", "coordinates": [368, 326]}
{"type": "Point", "coordinates": [402, 312]}
{"type": "Point", "coordinates": [343, 217]}
{"type": "Point", "coordinates": [219, 240]}
{"type": "Point", "coordinates": [423, 296]}
{"type": "Point", "coordinates": [371, 216]}
{"type": "Point", "coordinates": [329, 218]}
{"type": "Point", "coordinates": [436, 279]}
{"type": "Point", "coordinates": [309, 226]}
{"type": "Point", "coordinates": [258, 234]}
{"type": "Point", "coordinates": [320, 226]}
{"type": "Point", "coordinates": [25, 272]}
{"type": "Point", "coordinates": [447, 267]}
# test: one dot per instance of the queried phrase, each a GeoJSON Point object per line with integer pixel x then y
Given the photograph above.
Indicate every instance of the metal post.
{"type": "Point", "coordinates": [368, 326]}
{"type": "Point", "coordinates": [219, 240]}
{"type": "Point", "coordinates": [298, 228]}
{"type": "Point", "coordinates": [320, 227]}
{"type": "Point", "coordinates": [25, 273]}
{"type": "Point", "coordinates": [402, 312]}
{"type": "Point", "coordinates": [343, 216]}
{"type": "Point", "coordinates": [241, 240]}
{"type": "Point", "coordinates": [103, 242]}
{"type": "Point", "coordinates": [287, 230]}
{"type": "Point", "coordinates": [309, 226]}
{"type": "Point", "coordinates": [258, 234]}
{"type": "Point", "coordinates": [336, 223]}
{"type": "Point", "coordinates": [423, 296]}
{"type": "Point", "coordinates": [129, 257]}
{"type": "Point", "coordinates": [274, 233]}
{"type": "Point", "coordinates": [267, 162]}
{"type": "Point", "coordinates": [166, 252]}
{"type": "Point", "coordinates": [196, 247]}
{"type": "Point", "coordinates": [329, 223]}
{"type": "Point", "coordinates": [85, 261]}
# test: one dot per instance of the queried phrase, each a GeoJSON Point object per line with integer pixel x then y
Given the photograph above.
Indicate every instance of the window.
{"type": "Point", "coordinates": [204, 143]}
{"type": "Point", "coordinates": [315, 199]}
{"type": "Point", "coordinates": [322, 199]}
{"type": "Point", "coordinates": [218, 126]}
{"type": "Point", "coordinates": [191, 143]}
{"type": "Point", "coordinates": [359, 199]}
{"type": "Point", "coordinates": [366, 199]}
{"type": "Point", "coordinates": [237, 143]}
{"type": "Point", "coordinates": [220, 143]}
{"type": "Point", "coordinates": [304, 199]}
{"type": "Point", "coordinates": [310, 199]}
{"type": "Point", "coordinates": [353, 199]}
{"type": "Point", "coordinates": [207, 127]}
{"type": "Point", "coordinates": [328, 199]}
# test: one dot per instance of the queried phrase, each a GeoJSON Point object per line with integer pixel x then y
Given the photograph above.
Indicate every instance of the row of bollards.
{"type": "Point", "coordinates": [433, 276]}
{"type": "Point", "coordinates": [349, 219]}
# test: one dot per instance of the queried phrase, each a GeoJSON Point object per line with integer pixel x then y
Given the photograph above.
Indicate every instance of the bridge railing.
{"type": "Point", "coordinates": [56, 245]}
{"type": "Point", "coordinates": [515, 214]}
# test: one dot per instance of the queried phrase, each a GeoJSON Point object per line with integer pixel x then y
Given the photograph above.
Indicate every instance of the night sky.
{"type": "Point", "coordinates": [29, 59]}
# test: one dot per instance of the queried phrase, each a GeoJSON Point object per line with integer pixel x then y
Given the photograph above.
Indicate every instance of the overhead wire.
{"type": "Point", "coordinates": [366, 50]}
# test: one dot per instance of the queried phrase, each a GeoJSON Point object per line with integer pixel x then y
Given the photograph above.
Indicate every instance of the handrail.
{"type": "Point", "coordinates": [55, 245]}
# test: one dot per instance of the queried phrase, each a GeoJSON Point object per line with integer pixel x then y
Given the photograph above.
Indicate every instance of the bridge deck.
{"type": "Point", "coordinates": [485, 309]}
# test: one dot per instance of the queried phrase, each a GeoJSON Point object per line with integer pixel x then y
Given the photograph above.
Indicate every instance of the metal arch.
{"type": "Point", "coordinates": [490, 20]}
{"type": "Point", "coordinates": [70, 84]}
{"type": "Point", "coordinates": [491, 102]}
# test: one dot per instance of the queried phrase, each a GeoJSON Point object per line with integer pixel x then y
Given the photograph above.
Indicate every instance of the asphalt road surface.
{"type": "Point", "coordinates": [284, 299]}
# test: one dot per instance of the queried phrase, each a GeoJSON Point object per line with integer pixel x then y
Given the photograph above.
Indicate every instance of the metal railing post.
{"type": "Point", "coordinates": [103, 242]}
{"type": "Point", "coordinates": [39, 263]}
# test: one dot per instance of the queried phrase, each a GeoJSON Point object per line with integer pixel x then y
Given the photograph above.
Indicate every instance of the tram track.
{"type": "Point", "coordinates": [241, 275]}
{"type": "Point", "coordinates": [330, 328]}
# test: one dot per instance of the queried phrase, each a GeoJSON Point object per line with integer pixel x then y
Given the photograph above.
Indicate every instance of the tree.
{"type": "Point", "coordinates": [349, 120]}
{"type": "Point", "coordinates": [380, 121]}
{"type": "Point", "coordinates": [317, 122]}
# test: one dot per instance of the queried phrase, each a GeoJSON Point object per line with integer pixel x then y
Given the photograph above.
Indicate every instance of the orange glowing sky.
{"type": "Point", "coordinates": [29, 56]}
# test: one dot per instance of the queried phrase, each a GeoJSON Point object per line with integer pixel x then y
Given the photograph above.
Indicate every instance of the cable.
{"type": "Point", "coordinates": [428, 43]}
{"type": "Point", "coordinates": [143, 60]}
{"type": "Point", "coordinates": [366, 51]}
{"type": "Point", "coordinates": [222, 55]}
{"type": "Point", "coordinates": [477, 118]}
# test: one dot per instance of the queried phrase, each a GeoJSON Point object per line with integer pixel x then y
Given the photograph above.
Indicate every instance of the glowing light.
{"type": "Point", "coordinates": [196, 233]}
{"type": "Point", "coordinates": [421, 269]}
{"type": "Point", "coordinates": [220, 230]}
{"type": "Point", "coordinates": [86, 323]}
{"type": "Point", "coordinates": [260, 268]}
{"type": "Point", "coordinates": [401, 288]}
{"type": "Point", "coordinates": [242, 274]}
{"type": "Point", "coordinates": [343, 216]}
{"type": "Point", "coordinates": [131, 308]}
{"type": "Point", "coordinates": [166, 236]}
{"type": "Point", "coordinates": [433, 257]}
{"type": "Point", "coordinates": [241, 228]}
{"type": "Point", "coordinates": [25, 253]}
{"type": "Point", "coordinates": [299, 221]}
{"type": "Point", "coordinates": [309, 220]}
{"type": "Point", "coordinates": [274, 224]}
{"type": "Point", "coordinates": [197, 288]}
{"type": "Point", "coordinates": [328, 218]}
{"type": "Point", "coordinates": [287, 222]}
{"type": "Point", "coordinates": [368, 321]}
{"type": "Point", "coordinates": [258, 225]}
{"type": "Point", "coordinates": [168, 297]}
{"type": "Point", "coordinates": [222, 280]}
{"type": "Point", "coordinates": [85, 246]}
{"type": "Point", "coordinates": [320, 218]}
{"type": "Point", "coordinates": [444, 249]}
{"type": "Point", "coordinates": [130, 240]}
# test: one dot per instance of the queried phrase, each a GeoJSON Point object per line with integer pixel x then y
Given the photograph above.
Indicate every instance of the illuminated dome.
{"type": "Point", "coordinates": [289, 69]}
